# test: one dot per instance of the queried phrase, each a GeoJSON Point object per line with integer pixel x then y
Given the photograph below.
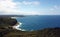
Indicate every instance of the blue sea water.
{"type": "Point", "coordinates": [39, 22]}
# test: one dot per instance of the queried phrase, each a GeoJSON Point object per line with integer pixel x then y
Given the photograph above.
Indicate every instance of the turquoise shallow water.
{"type": "Point", "coordinates": [39, 22]}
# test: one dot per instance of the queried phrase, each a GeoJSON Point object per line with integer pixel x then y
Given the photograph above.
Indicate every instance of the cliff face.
{"type": "Point", "coordinates": [7, 21]}
{"type": "Point", "coordinates": [5, 25]}
{"type": "Point", "coordinates": [10, 32]}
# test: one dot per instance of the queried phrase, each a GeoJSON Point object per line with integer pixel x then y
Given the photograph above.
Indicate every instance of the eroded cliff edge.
{"type": "Point", "coordinates": [6, 30]}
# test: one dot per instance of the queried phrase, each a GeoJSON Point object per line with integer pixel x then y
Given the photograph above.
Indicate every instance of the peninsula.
{"type": "Point", "coordinates": [6, 30]}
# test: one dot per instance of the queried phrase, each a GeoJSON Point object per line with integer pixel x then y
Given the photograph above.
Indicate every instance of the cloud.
{"type": "Point", "coordinates": [51, 9]}
{"type": "Point", "coordinates": [31, 3]}
{"type": "Point", "coordinates": [55, 7]}
{"type": "Point", "coordinates": [26, 3]}
{"type": "Point", "coordinates": [36, 3]}
{"type": "Point", "coordinates": [7, 6]}
{"type": "Point", "coordinates": [31, 13]}
{"type": "Point", "coordinates": [10, 7]}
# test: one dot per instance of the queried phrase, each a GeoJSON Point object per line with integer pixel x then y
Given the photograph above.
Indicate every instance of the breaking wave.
{"type": "Point", "coordinates": [18, 26]}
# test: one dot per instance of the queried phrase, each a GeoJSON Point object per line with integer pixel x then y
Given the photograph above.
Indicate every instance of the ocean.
{"type": "Point", "coordinates": [39, 22]}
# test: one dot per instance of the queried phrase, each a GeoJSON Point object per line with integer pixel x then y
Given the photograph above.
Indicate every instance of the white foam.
{"type": "Point", "coordinates": [17, 27]}
{"type": "Point", "coordinates": [13, 17]}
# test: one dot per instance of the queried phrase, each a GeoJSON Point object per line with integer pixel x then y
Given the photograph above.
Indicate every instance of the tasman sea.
{"type": "Point", "coordinates": [38, 22]}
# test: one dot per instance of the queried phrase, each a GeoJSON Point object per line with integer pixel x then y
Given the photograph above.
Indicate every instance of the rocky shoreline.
{"type": "Point", "coordinates": [6, 30]}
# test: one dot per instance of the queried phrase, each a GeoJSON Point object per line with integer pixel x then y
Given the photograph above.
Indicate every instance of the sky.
{"type": "Point", "coordinates": [29, 7]}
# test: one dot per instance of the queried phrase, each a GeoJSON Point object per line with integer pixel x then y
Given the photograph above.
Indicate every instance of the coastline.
{"type": "Point", "coordinates": [11, 29]}
{"type": "Point", "coordinates": [17, 26]}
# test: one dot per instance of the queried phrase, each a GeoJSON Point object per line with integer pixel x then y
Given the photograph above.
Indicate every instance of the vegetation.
{"type": "Point", "coordinates": [7, 31]}
{"type": "Point", "coordinates": [7, 21]}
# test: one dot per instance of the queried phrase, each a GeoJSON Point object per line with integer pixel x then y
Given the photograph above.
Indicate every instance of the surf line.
{"type": "Point", "coordinates": [17, 26]}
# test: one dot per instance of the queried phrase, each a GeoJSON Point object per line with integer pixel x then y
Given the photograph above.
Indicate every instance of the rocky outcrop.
{"type": "Point", "coordinates": [6, 24]}
{"type": "Point", "coordinates": [7, 21]}
{"type": "Point", "coordinates": [6, 31]}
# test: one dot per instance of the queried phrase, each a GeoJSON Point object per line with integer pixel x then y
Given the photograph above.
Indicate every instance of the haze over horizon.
{"type": "Point", "coordinates": [29, 7]}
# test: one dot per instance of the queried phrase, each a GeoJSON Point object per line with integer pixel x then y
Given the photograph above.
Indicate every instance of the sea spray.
{"type": "Point", "coordinates": [17, 26]}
